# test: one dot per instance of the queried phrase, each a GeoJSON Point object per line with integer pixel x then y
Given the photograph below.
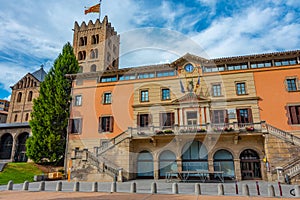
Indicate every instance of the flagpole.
{"type": "Point", "coordinates": [100, 9]}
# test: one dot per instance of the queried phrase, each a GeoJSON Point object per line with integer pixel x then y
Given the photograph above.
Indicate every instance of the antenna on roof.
{"type": "Point", "coordinates": [42, 66]}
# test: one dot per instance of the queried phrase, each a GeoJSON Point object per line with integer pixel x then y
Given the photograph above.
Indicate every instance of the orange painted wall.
{"type": "Point", "coordinates": [271, 88]}
{"type": "Point", "coordinates": [92, 108]}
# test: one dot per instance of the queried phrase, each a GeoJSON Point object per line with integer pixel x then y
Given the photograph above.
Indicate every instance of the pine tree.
{"type": "Point", "coordinates": [49, 119]}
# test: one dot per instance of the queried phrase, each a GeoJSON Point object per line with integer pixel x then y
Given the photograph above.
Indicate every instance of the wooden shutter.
{"type": "Point", "coordinates": [138, 120]}
{"type": "Point", "coordinates": [298, 116]}
{"type": "Point", "coordinates": [71, 126]}
{"type": "Point", "coordinates": [225, 116]}
{"type": "Point", "coordinates": [100, 125]}
{"type": "Point", "coordinates": [238, 116]}
{"type": "Point", "coordinates": [172, 119]}
{"type": "Point", "coordinates": [294, 115]}
{"type": "Point", "coordinates": [288, 114]}
{"type": "Point", "coordinates": [150, 119]}
{"type": "Point", "coordinates": [161, 119]}
{"type": "Point", "coordinates": [111, 124]}
{"type": "Point", "coordinates": [250, 118]}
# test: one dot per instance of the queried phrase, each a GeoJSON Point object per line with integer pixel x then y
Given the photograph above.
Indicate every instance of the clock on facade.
{"type": "Point", "coordinates": [189, 68]}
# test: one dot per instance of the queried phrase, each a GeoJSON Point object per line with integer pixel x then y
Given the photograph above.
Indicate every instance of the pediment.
{"type": "Point", "coordinates": [27, 81]}
{"type": "Point", "coordinates": [191, 98]}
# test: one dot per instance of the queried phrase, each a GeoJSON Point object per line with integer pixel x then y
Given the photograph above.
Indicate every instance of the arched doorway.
{"type": "Point", "coordinates": [167, 163]}
{"type": "Point", "coordinates": [250, 165]}
{"type": "Point", "coordinates": [194, 157]}
{"type": "Point", "coordinates": [145, 165]}
{"type": "Point", "coordinates": [20, 155]}
{"type": "Point", "coordinates": [223, 161]}
{"type": "Point", "coordinates": [6, 146]}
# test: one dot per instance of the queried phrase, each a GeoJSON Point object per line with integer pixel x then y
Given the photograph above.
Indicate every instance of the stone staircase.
{"type": "Point", "coordinates": [288, 137]}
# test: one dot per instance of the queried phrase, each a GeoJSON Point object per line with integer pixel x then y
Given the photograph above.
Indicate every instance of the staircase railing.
{"type": "Point", "coordinates": [293, 168]}
{"type": "Point", "coordinates": [114, 141]}
{"type": "Point", "coordinates": [288, 137]}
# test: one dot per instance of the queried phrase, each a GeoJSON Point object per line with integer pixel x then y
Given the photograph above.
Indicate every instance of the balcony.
{"type": "Point", "coordinates": [224, 128]}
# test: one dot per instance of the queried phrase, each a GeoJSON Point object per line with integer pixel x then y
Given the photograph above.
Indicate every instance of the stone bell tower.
{"type": "Point", "coordinates": [96, 46]}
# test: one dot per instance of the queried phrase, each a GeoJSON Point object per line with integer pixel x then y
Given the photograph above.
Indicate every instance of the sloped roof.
{"type": "Point", "coordinates": [40, 74]}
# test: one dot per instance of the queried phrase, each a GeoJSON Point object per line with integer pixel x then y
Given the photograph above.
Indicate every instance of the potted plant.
{"type": "Point", "coordinates": [249, 128]}
{"type": "Point", "coordinates": [228, 129]}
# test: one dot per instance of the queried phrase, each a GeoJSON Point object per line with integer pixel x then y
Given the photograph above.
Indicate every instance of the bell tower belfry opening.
{"type": "Point", "coordinates": [96, 46]}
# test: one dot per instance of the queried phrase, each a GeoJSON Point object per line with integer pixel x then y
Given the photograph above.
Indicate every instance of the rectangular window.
{"type": "Point", "coordinates": [75, 126]}
{"type": "Point", "coordinates": [240, 88]}
{"type": "Point", "coordinates": [191, 118]}
{"type": "Point", "coordinates": [165, 73]}
{"type": "Point", "coordinates": [219, 116]}
{"type": "Point", "coordinates": [167, 120]}
{"type": "Point", "coordinates": [143, 120]}
{"type": "Point", "coordinates": [294, 114]}
{"type": "Point", "coordinates": [146, 75]}
{"type": "Point", "coordinates": [106, 124]}
{"type": "Point", "coordinates": [291, 84]}
{"type": "Point", "coordinates": [78, 100]}
{"type": "Point", "coordinates": [127, 77]}
{"type": "Point", "coordinates": [216, 90]}
{"type": "Point", "coordinates": [144, 96]}
{"type": "Point", "coordinates": [285, 62]}
{"type": "Point", "coordinates": [165, 94]}
{"type": "Point", "coordinates": [244, 115]}
{"type": "Point", "coordinates": [107, 98]}
{"type": "Point", "coordinates": [108, 79]}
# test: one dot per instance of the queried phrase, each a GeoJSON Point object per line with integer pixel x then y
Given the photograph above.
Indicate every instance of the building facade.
{"type": "Point", "coordinates": [16, 130]}
{"type": "Point", "coordinates": [238, 115]}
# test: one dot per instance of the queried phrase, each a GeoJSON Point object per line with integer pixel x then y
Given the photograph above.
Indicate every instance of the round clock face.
{"type": "Point", "coordinates": [189, 68]}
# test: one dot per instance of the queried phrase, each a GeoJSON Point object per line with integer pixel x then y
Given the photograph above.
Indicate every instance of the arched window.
{"type": "Point", "coordinates": [167, 163]}
{"type": "Point", "coordinates": [19, 97]}
{"type": "Point", "coordinates": [26, 117]}
{"type": "Point", "coordinates": [20, 155]}
{"type": "Point", "coordinates": [16, 118]}
{"type": "Point", "coordinates": [223, 161]}
{"type": "Point", "coordinates": [80, 69]}
{"type": "Point", "coordinates": [250, 165]}
{"type": "Point", "coordinates": [83, 41]}
{"type": "Point", "coordinates": [145, 165]}
{"type": "Point", "coordinates": [30, 96]}
{"type": "Point", "coordinates": [93, 68]}
{"type": "Point", "coordinates": [81, 55]}
{"type": "Point", "coordinates": [95, 39]}
{"type": "Point", "coordinates": [194, 157]}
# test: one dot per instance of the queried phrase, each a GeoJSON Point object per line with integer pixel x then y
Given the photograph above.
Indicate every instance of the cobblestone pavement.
{"type": "Point", "coordinates": [186, 190]}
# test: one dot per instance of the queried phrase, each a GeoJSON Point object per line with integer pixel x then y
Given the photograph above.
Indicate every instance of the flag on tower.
{"type": "Point", "coordinates": [93, 9]}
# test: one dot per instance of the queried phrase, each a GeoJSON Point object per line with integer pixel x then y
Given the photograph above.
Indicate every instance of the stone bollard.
{"type": "Point", "coordinates": [42, 186]}
{"type": "Point", "coordinates": [245, 190]}
{"type": "Point", "coordinates": [58, 186]}
{"type": "Point", "coordinates": [297, 190]}
{"type": "Point", "coordinates": [25, 185]}
{"type": "Point", "coordinates": [271, 191]}
{"type": "Point", "coordinates": [10, 185]}
{"type": "Point", "coordinates": [197, 189]}
{"type": "Point", "coordinates": [95, 187]}
{"type": "Point", "coordinates": [76, 186]}
{"type": "Point", "coordinates": [113, 187]}
{"type": "Point", "coordinates": [133, 187]}
{"type": "Point", "coordinates": [153, 188]}
{"type": "Point", "coordinates": [175, 188]}
{"type": "Point", "coordinates": [220, 189]}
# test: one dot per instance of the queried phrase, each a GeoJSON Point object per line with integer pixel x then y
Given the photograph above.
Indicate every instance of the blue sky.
{"type": "Point", "coordinates": [33, 32]}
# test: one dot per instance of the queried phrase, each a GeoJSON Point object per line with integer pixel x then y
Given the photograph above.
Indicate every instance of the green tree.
{"type": "Point", "coordinates": [49, 119]}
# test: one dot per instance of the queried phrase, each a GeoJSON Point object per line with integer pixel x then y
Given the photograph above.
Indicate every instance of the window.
{"type": "Point", "coordinates": [76, 125]}
{"type": "Point", "coordinates": [143, 120]}
{"type": "Point", "coordinates": [108, 79]}
{"type": "Point", "coordinates": [106, 124]}
{"type": "Point", "coordinates": [219, 116]}
{"type": "Point", "coordinates": [29, 96]}
{"type": "Point", "coordinates": [165, 73]}
{"type": "Point", "coordinates": [127, 77]}
{"type": "Point", "coordinates": [191, 118]}
{"type": "Point", "coordinates": [216, 90]}
{"type": "Point", "coordinates": [78, 100]}
{"type": "Point", "coordinates": [94, 53]}
{"type": "Point", "coordinates": [237, 66]}
{"type": "Point", "coordinates": [244, 115]}
{"type": "Point", "coordinates": [26, 117]}
{"type": "Point", "coordinates": [93, 68]}
{"type": "Point", "coordinates": [83, 41]}
{"type": "Point", "coordinates": [261, 64]}
{"type": "Point", "coordinates": [240, 88]}
{"type": "Point", "coordinates": [294, 114]}
{"type": "Point", "coordinates": [165, 94]}
{"type": "Point", "coordinates": [167, 120]}
{"type": "Point", "coordinates": [81, 55]}
{"type": "Point", "coordinates": [107, 98]}
{"type": "Point", "coordinates": [19, 98]}
{"type": "Point", "coordinates": [144, 96]}
{"type": "Point", "coordinates": [95, 39]}
{"type": "Point", "coordinates": [291, 84]}
{"type": "Point", "coordinates": [16, 118]}
{"type": "Point", "coordinates": [285, 62]}
{"type": "Point", "coordinates": [80, 69]}
{"type": "Point", "coordinates": [146, 75]}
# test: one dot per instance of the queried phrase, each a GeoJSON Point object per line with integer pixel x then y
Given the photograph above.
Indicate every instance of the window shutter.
{"type": "Point", "coordinates": [294, 115]}
{"type": "Point", "coordinates": [298, 116]}
{"type": "Point", "coordinates": [288, 114]}
{"type": "Point", "coordinates": [111, 124]}
{"type": "Point", "coordinates": [100, 125]}
{"type": "Point", "coordinates": [80, 126]}
{"type": "Point", "coordinates": [161, 121]}
{"type": "Point", "coordinates": [225, 116]}
{"type": "Point", "coordinates": [138, 120]}
{"type": "Point", "coordinates": [150, 119]}
{"type": "Point", "coordinates": [71, 126]}
{"type": "Point", "coordinates": [238, 116]}
{"type": "Point", "coordinates": [172, 119]}
{"type": "Point", "coordinates": [250, 118]}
